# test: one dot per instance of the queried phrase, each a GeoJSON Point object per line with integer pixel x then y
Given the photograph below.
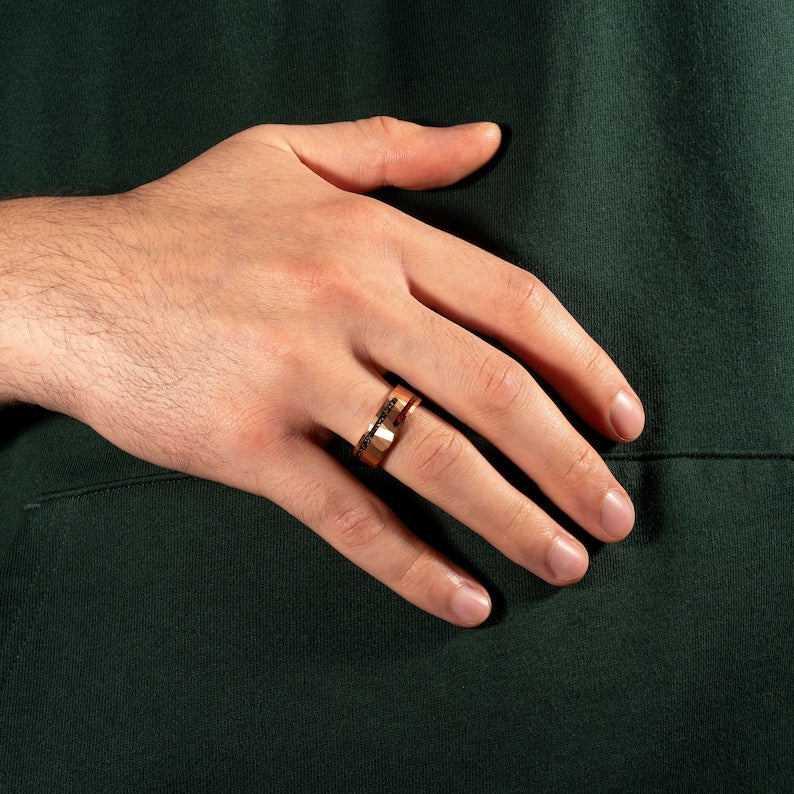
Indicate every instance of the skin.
{"type": "Point", "coordinates": [228, 319]}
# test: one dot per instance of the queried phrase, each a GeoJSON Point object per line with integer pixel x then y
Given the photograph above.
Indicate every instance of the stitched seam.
{"type": "Point", "coordinates": [53, 548]}
{"type": "Point", "coordinates": [638, 457]}
{"type": "Point", "coordinates": [119, 485]}
{"type": "Point", "coordinates": [698, 455]}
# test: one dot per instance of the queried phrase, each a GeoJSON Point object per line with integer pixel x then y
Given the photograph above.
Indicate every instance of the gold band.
{"type": "Point", "coordinates": [383, 430]}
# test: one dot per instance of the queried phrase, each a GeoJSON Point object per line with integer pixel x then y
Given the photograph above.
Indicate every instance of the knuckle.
{"type": "Point", "coordinates": [595, 365]}
{"type": "Point", "coordinates": [379, 135]}
{"type": "Point", "coordinates": [386, 125]}
{"type": "Point", "coordinates": [437, 455]}
{"type": "Point", "coordinates": [525, 297]}
{"type": "Point", "coordinates": [499, 385]}
{"type": "Point", "coordinates": [359, 526]}
{"type": "Point", "coordinates": [415, 574]}
{"type": "Point", "coordinates": [514, 526]}
{"type": "Point", "coordinates": [582, 469]}
{"type": "Point", "coordinates": [365, 219]}
{"type": "Point", "coordinates": [361, 230]}
{"type": "Point", "coordinates": [256, 449]}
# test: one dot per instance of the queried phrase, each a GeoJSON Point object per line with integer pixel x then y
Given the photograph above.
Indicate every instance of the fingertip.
{"type": "Point", "coordinates": [489, 133]}
{"type": "Point", "coordinates": [626, 416]}
{"type": "Point", "coordinates": [568, 560]}
{"type": "Point", "coordinates": [488, 128]}
{"type": "Point", "coordinates": [617, 515]}
{"type": "Point", "coordinates": [470, 605]}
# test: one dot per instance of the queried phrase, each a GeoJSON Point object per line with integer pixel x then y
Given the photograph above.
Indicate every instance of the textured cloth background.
{"type": "Point", "coordinates": [158, 632]}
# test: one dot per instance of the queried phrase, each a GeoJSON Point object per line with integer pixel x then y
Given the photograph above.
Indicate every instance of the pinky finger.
{"type": "Point", "coordinates": [328, 499]}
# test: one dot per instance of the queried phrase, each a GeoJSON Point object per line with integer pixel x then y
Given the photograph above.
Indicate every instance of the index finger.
{"type": "Point", "coordinates": [486, 294]}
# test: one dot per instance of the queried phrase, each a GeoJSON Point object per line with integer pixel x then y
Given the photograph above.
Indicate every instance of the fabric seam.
{"type": "Point", "coordinates": [636, 457]}
{"type": "Point", "coordinates": [99, 488]}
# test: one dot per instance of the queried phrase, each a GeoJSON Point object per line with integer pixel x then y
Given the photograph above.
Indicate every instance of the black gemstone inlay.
{"type": "Point", "coordinates": [385, 411]}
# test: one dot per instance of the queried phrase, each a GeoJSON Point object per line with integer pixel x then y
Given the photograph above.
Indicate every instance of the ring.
{"type": "Point", "coordinates": [383, 430]}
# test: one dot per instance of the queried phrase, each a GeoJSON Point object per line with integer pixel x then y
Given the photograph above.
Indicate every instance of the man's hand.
{"type": "Point", "coordinates": [226, 319]}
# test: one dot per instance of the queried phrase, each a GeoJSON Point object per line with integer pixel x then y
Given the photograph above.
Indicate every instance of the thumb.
{"type": "Point", "coordinates": [361, 156]}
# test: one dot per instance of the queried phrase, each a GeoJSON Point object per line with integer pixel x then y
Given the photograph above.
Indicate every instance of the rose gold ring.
{"type": "Point", "coordinates": [383, 430]}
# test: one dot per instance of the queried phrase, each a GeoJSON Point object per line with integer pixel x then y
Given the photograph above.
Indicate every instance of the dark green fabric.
{"type": "Point", "coordinates": [158, 632]}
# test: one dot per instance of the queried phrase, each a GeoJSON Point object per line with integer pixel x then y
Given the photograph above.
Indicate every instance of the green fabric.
{"type": "Point", "coordinates": [158, 632]}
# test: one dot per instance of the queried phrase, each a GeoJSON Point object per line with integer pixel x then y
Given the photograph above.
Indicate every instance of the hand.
{"type": "Point", "coordinates": [226, 319]}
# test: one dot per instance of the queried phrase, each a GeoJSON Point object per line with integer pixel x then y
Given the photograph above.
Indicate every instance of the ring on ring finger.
{"type": "Point", "coordinates": [386, 426]}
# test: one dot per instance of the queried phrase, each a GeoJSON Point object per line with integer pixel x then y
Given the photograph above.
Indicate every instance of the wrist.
{"type": "Point", "coordinates": [49, 248]}
{"type": "Point", "coordinates": [18, 220]}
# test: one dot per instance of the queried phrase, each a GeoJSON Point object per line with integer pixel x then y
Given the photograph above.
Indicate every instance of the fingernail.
{"type": "Point", "coordinates": [626, 416]}
{"type": "Point", "coordinates": [567, 560]}
{"type": "Point", "coordinates": [471, 606]}
{"type": "Point", "coordinates": [617, 515]}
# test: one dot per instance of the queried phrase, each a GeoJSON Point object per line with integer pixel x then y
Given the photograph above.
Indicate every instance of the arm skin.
{"type": "Point", "coordinates": [227, 319]}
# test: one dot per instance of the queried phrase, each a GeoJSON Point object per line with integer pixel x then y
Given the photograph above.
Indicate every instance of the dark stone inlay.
{"type": "Point", "coordinates": [385, 411]}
